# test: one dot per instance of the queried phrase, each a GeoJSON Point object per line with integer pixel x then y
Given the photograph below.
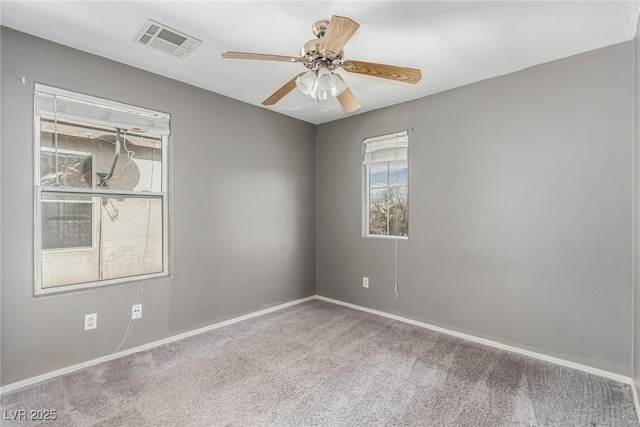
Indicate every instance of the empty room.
{"type": "Point", "coordinates": [319, 213]}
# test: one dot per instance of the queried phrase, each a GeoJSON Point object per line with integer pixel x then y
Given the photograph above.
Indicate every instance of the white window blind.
{"type": "Point", "coordinates": [64, 105]}
{"type": "Point", "coordinates": [387, 148]}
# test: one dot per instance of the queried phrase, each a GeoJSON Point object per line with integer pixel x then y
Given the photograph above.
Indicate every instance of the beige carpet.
{"type": "Point", "coordinates": [322, 364]}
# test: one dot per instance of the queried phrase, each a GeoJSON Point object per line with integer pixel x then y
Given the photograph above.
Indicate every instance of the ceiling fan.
{"type": "Point", "coordinates": [322, 56]}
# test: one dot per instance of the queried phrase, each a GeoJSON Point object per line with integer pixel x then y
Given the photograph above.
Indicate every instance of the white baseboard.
{"type": "Point", "coordinates": [617, 377]}
{"type": "Point", "coordinates": [495, 344]}
{"type": "Point", "coordinates": [33, 380]}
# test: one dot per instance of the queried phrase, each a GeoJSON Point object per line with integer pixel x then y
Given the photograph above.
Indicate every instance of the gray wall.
{"type": "Point", "coordinates": [520, 210]}
{"type": "Point", "coordinates": [242, 219]}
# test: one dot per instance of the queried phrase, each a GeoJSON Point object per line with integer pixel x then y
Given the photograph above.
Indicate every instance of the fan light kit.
{"type": "Point", "coordinates": [317, 84]}
{"type": "Point", "coordinates": [322, 56]}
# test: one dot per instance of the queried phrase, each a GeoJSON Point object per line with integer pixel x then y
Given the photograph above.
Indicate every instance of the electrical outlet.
{"type": "Point", "coordinates": [90, 321]}
{"type": "Point", "coordinates": [365, 282]}
{"type": "Point", "coordinates": [136, 311]}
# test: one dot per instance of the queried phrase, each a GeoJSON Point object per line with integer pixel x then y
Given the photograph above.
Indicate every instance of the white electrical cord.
{"type": "Point", "coordinates": [140, 292]}
{"type": "Point", "coordinates": [396, 244]}
{"type": "Point", "coordinates": [396, 288]}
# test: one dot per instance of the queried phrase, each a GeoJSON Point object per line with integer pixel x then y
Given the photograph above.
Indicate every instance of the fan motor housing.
{"type": "Point", "coordinates": [311, 50]}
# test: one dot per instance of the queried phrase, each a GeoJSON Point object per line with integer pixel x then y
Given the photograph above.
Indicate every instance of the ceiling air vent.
{"type": "Point", "coordinates": [165, 39]}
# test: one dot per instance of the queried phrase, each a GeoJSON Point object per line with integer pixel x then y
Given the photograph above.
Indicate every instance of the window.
{"type": "Point", "coordinates": [386, 192]}
{"type": "Point", "coordinates": [101, 191]}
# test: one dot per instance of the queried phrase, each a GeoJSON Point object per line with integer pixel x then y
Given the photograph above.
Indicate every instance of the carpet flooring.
{"type": "Point", "coordinates": [322, 364]}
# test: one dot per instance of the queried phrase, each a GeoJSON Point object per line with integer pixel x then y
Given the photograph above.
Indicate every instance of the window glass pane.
{"type": "Point", "coordinates": [137, 157]}
{"type": "Point", "coordinates": [398, 173]}
{"type": "Point", "coordinates": [378, 209]}
{"type": "Point", "coordinates": [67, 224]}
{"type": "Point", "coordinates": [73, 169]}
{"type": "Point", "coordinates": [388, 198]}
{"type": "Point", "coordinates": [378, 175]}
{"type": "Point", "coordinates": [127, 234]}
{"type": "Point", "coordinates": [392, 172]}
{"type": "Point", "coordinates": [398, 211]}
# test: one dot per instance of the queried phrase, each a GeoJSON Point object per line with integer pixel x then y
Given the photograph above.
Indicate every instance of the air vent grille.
{"type": "Point", "coordinates": [165, 39]}
{"type": "Point", "coordinates": [153, 29]}
{"type": "Point", "coordinates": [145, 38]}
{"type": "Point", "coordinates": [172, 37]}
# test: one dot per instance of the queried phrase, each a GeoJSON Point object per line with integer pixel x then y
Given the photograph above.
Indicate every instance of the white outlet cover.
{"type": "Point", "coordinates": [136, 311]}
{"type": "Point", "coordinates": [365, 282]}
{"type": "Point", "coordinates": [90, 321]}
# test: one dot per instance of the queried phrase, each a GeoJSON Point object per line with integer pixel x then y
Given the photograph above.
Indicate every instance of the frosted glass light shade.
{"type": "Point", "coordinates": [317, 93]}
{"type": "Point", "coordinates": [306, 82]}
{"type": "Point", "coordinates": [326, 79]}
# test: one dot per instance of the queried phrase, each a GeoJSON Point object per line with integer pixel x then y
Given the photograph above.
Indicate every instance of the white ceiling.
{"type": "Point", "coordinates": [453, 43]}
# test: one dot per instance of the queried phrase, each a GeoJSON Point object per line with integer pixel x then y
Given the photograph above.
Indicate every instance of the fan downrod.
{"type": "Point", "coordinates": [319, 28]}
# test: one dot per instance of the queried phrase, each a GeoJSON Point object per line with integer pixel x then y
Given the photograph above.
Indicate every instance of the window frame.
{"type": "Point", "coordinates": [93, 191]}
{"type": "Point", "coordinates": [365, 199]}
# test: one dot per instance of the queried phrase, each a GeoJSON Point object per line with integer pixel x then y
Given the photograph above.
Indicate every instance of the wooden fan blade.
{"type": "Point", "coordinates": [391, 72]}
{"type": "Point", "coordinates": [261, 57]}
{"type": "Point", "coordinates": [338, 33]}
{"type": "Point", "coordinates": [347, 99]}
{"type": "Point", "coordinates": [282, 92]}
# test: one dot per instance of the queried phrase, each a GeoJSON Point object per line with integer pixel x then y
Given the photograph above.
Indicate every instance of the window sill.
{"type": "Point", "coordinates": [59, 250]}
{"type": "Point", "coordinates": [91, 285]}
{"type": "Point", "coordinates": [383, 237]}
